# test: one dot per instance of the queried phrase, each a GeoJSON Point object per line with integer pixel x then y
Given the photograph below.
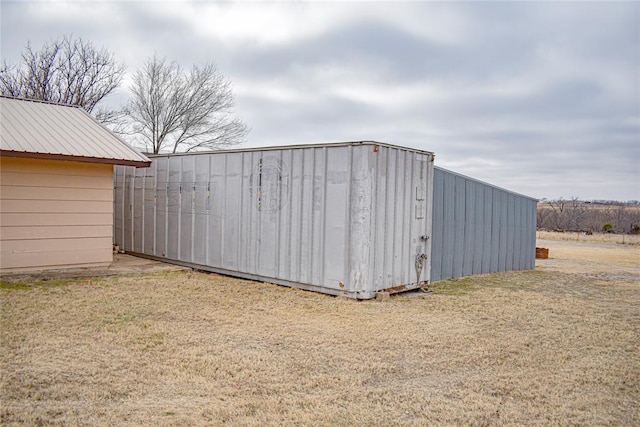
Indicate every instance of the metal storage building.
{"type": "Point", "coordinates": [56, 186]}
{"type": "Point", "coordinates": [479, 228]}
{"type": "Point", "coordinates": [345, 219]}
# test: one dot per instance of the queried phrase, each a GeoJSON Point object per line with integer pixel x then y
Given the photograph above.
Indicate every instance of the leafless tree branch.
{"type": "Point", "coordinates": [173, 110]}
{"type": "Point", "coordinates": [68, 71]}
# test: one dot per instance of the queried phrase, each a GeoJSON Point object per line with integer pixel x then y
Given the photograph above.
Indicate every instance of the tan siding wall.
{"type": "Point", "coordinates": [54, 214]}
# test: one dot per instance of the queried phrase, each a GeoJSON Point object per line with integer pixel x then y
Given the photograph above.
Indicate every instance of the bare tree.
{"type": "Point", "coordinates": [566, 214]}
{"type": "Point", "coordinates": [558, 207]}
{"type": "Point", "coordinates": [68, 70]}
{"type": "Point", "coordinates": [173, 110]}
{"type": "Point", "coordinates": [574, 215]}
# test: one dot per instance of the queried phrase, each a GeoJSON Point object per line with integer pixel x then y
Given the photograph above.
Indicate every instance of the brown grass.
{"type": "Point", "coordinates": [185, 348]}
{"type": "Point", "coordinates": [624, 239]}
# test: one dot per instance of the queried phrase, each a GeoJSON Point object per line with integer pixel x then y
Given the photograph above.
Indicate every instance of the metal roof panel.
{"type": "Point", "coordinates": [31, 128]}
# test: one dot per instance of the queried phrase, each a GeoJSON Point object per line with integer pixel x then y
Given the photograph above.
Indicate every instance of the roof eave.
{"type": "Point", "coordinates": [84, 159]}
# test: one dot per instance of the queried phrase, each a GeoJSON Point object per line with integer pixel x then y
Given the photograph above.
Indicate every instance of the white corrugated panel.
{"type": "Point", "coordinates": [39, 129]}
{"type": "Point", "coordinates": [345, 219]}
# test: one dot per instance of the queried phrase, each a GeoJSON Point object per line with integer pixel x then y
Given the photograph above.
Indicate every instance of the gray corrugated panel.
{"type": "Point", "coordinates": [496, 203]}
{"type": "Point", "coordinates": [479, 228]}
{"type": "Point", "coordinates": [469, 228]}
{"type": "Point", "coordinates": [437, 243]}
{"type": "Point", "coordinates": [448, 229]}
{"type": "Point", "coordinates": [39, 129]}
{"type": "Point", "coordinates": [344, 219]}
{"type": "Point", "coordinates": [504, 231]}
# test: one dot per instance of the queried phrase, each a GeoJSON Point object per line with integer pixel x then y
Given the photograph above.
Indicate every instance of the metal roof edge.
{"type": "Point", "coordinates": [143, 160]}
{"type": "Point", "coordinates": [486, 183]}
{"type": "Point", "coordinates": [120, 140]}
{"type": "Point", "coordinates": [41, 101]}
{"type": "Point", "coordinates": [293, 147]}
{"type": "Point", "coordinates": [83, 159]}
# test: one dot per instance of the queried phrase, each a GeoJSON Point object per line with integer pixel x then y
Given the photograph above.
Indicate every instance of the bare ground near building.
{"type": "Point", "coordinates": [557, 345]}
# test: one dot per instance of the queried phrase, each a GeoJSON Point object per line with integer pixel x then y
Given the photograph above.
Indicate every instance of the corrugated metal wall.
{"type": "Point", "coordinates": [338, 218]}
{"type": "Point", "coordinates": [479, 228]}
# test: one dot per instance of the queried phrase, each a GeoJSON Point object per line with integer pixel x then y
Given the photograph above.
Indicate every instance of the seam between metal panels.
{"type": "Point", "coordinates": [308, 231]}
{"type": "Point", "coordinates": [223, 212]}
{"type": "Point", "coordinates": [142, 208]}
{"type": "Point", "coordinates": [347, 216]}
{"type": "Point", "coordinates": [155, 205]}
{"type": "Point", "coordinates": [407, 171]}
{"type": "Point", "coordinates": [259, 224]}
{"type": "Point", "coordinates": [399, 195]}
{"type": "Point", "coordinates": [179, 239]}
{"type": "Point", "coordinates": [313, 263]}
{"type": "Point", "coordinates": [246, 206]}
{"type": "Point", "coordinates": [324, 214]}
{"type": "Point", "coordinates": [244, 209]}
{"type": "Point", "coordinates": [131, 190]}
{"type": "Point", "coordinates": [309, 156]}
{"type": "Point", "coordinates": [465, 231]}
{"type": "Point", "coordinates": [279, 215]}
{"type": "Point", "coordinates": [293, 236]}
{"type": "Point", "coordinates": [429, 209]}
{"type": "Point", "coordinates": [298, 236]}
{"type": "Point", "coordinates": [373, 218]}
{"type": "Point", "coordinates": [207, 211]}
{"type": "Point", "coordinates": [168, 183]}
{"type": "Point", "coordinates": [410, 215]}
{"type": "Point", "coordinates": [193, 209]}
{"type": "Point", "coordinates": [386, 223]}
{"type": "Point", "coordinates": [300, 210]}
{"type": "Point", "coordinates": [255, 221]}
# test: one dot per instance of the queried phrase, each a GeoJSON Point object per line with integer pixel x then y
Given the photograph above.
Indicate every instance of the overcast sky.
{"type": "Point", "coordinates": [540, 98]}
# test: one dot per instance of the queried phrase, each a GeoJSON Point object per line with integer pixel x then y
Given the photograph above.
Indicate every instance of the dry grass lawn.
{"type": "Point", "coordinates": [625, 239]}
{"type": "Point", "coordinates": [554, 346]}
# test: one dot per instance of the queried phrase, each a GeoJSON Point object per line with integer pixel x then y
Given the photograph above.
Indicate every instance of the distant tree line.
{"type": "Point", "coordinates": [171, 109]}
{"type": "Point", "coordinates": [597, 217]}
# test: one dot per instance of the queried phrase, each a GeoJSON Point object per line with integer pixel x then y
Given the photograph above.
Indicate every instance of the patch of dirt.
{"type": "Point", "coordinates": [123, 264]}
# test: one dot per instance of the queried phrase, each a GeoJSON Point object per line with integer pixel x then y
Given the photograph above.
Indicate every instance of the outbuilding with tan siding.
{"type": "Point", "coordinates": [56, 186]}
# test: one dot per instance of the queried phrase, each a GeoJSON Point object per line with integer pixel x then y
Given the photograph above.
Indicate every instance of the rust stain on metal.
{"type": "Point", "coordinates": [396, 289]}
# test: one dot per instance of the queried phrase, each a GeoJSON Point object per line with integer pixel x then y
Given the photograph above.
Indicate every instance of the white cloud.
{"type": "Point", "coordinates": [500, 91]}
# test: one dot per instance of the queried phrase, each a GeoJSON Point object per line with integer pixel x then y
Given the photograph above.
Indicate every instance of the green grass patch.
{"type": "Point", "coordinates": [18, 286]}
{"type": "Point", "coordinates": [512, 280]}
{"type": "Point", "coordinates": [461, 286]}
{"type": "Point", "coordinates": [32, 284]}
